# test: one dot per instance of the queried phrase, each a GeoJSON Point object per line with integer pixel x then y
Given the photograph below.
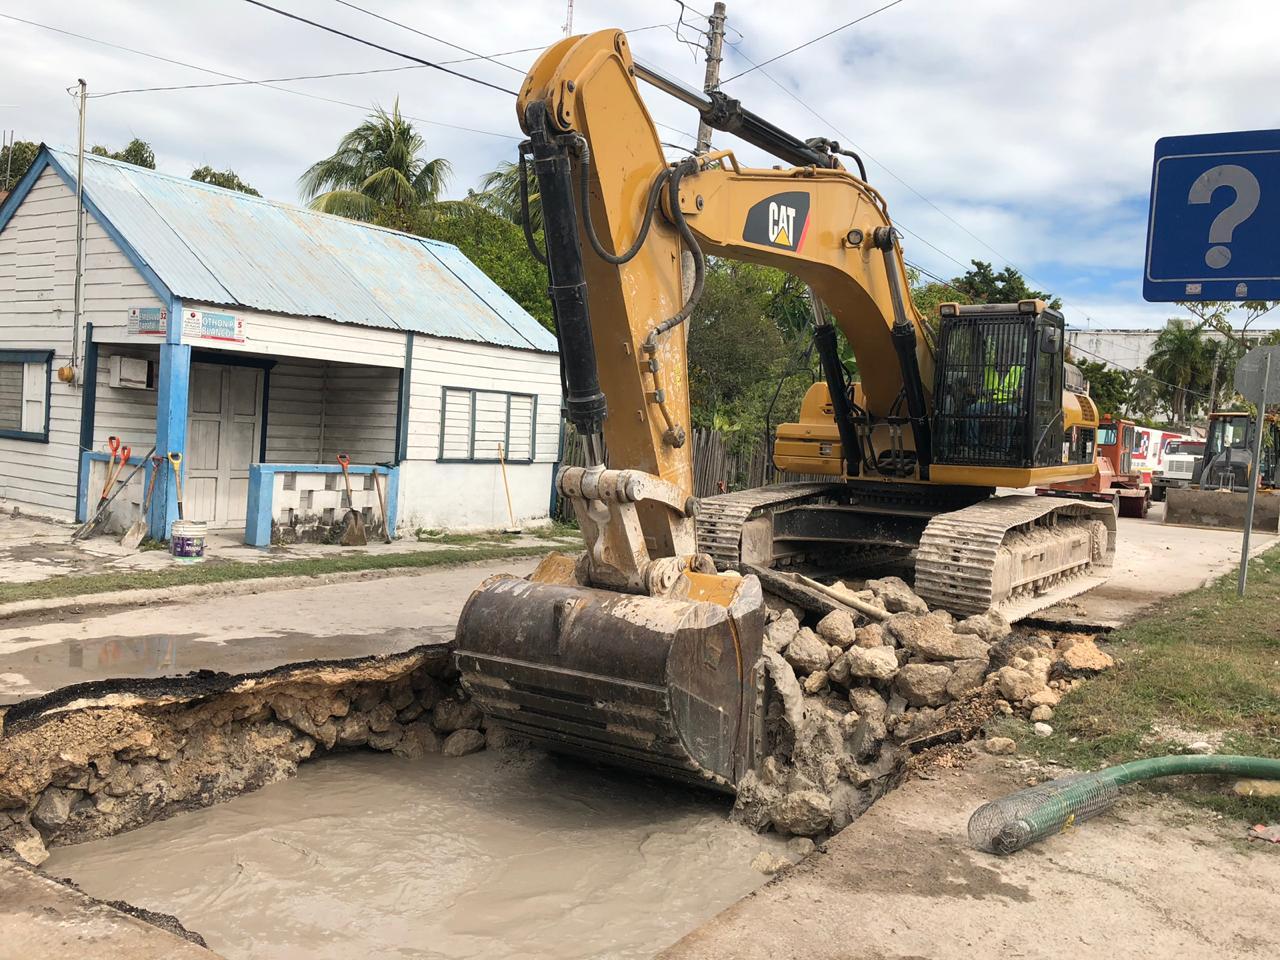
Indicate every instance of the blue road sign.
{"type": "Point", "coordinates": [1214, 228]}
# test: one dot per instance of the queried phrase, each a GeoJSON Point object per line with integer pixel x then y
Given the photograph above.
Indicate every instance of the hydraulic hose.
{"type": "Point", "coordinates": [1007, 825]}
{"type": "Point", "coordinates": [589, 228]}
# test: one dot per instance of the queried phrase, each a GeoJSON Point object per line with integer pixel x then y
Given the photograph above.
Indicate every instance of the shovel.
{"type": "Point", "coordinates": [91, 524]}
{"type": "Point", "coordinates": [138, 529]}
{"type": "Point", "coordinates": [176, 460]}
{"type": "Point", "coordinates": [382, 504]}
{"type": "Point", "coordinates": [353, 534]}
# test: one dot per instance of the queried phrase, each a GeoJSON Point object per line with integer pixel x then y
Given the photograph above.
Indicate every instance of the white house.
{"type": "Point", "coordinates": [258, 340]}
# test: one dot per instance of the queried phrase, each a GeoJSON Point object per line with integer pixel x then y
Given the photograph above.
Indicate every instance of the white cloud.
{"type": "Point", "coordinates": [1030, 124]}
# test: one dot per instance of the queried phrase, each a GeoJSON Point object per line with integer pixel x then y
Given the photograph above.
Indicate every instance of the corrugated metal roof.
{"type": "Point", "coordinates": [217, 246]}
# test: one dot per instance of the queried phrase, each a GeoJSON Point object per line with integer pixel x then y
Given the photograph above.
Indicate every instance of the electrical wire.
{"type": "Point", "coordinates": [239, 80]}
{"type": "Point", "coordinates": [377, 46]}
{"type": "Point", "coordinates": [787, 53]}
{"type": "Point", "coordinates": [422, 33]}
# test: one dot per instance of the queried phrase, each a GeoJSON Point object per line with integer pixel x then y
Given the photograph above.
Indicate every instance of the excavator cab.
{"type": "Point", "coordinates": [998, 386]}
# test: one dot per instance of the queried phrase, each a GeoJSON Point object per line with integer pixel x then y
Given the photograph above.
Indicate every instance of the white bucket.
{"type": "Point", "coordinates": [186, 540]}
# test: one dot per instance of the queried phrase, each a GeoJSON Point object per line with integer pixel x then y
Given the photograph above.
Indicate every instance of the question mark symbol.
{"type": "Point", "coordinates": [1247, 191]}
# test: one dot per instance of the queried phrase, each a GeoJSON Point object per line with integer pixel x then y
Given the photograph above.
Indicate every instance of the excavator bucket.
{"type": "Point", "coordinates": [664, 686]}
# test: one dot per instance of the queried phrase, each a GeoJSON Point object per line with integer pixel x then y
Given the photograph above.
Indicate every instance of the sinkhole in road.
{"type": "Point", "coordinates": [501, 854]}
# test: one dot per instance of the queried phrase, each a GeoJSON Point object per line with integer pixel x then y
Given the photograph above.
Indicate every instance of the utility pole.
{"type": "Point", "coordinates": [79, 292]}
{"type": "Point", "coordinates": [568, 20]}
{"type": "Point", "coordinates": [715, 44]}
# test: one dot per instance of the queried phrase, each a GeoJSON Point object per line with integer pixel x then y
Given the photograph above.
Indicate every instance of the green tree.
{"type": "Point", "coordinates": [138, 152]}
{"type": "Point", "coordinates": [377, 173]}
{"type": "Point", "coordinates": [1109, 387]}
{"type": "Point", "coordinates": [499, 192]}
{"type": "Point", "coordinates": [14, 161]}
{"type": "Point", "coordinates": [493, 244]}
{"type": "Point", "coordinates": [227, 179]}
{"type": "Point", "coordinates": [1178, 359]}
{"type": "Point", "coordinates": [983, 284]}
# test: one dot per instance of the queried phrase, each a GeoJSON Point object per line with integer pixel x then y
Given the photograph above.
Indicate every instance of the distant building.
{"type": "Point", "coordinates": [259, 340]}
{"type": "Point", "coordinates": [1122, 349]}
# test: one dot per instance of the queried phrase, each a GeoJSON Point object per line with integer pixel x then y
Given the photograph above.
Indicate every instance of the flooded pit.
{"type": "Point", "coordinates": [499, 854]}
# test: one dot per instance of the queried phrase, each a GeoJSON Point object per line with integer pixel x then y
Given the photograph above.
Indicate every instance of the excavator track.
{"type": "Point", "coordinates": [720, 518]}
{"type": "Point", "coordinates": [1015, 554]}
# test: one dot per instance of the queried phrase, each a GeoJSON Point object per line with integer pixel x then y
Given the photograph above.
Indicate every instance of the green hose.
{"type": "Point", "coordinates": [1006, 825]}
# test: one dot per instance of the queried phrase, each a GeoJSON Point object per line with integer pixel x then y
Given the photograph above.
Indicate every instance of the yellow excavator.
{"type": "Point", "coordinates": [644, 650]}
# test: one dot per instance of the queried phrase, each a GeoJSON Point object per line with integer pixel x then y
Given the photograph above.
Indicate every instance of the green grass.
{"type": "Point", "coordinates": [464, 539]}
{"type": "Point", "coordinates": [215, 572]}
{"type": "Point", "coordinates": [1206, 661]}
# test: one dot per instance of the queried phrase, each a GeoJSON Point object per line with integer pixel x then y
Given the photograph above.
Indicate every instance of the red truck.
{"type": "Point", "coordinates": [1118, 479]}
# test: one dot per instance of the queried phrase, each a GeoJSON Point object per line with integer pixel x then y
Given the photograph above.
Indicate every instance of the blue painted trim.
{"type": "Point", "coordinates": [259, 510]}
{"type": "Point", "coordinates": [172, 392]}
{"type": "Point", "coordinates": [153, 279]}
{"type": "Point", "coordinates": [88, 403]}
{"type": "Point", "coordinates": [14, 200]}
{"type": "Point", "coordinates": [87, 458]}
{"type": "Point", "coordinates": [173, 329]}
{"type": "Point", "coordinates": [266, 406]}
{"type": "Point", "coordinates": [25, 357]}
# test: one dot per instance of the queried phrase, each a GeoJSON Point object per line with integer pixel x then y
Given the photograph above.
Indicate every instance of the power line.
{"type": "Point", "coordinates": [377, 46]}
{"type": "Point", "coordinates": [421, 33]}
{"type": "Point", "coordinates": [238, 80]}
{"type": "Point", "coordinates": [242, 83]}
{"type": "Point", "coordinates": [787, 53]}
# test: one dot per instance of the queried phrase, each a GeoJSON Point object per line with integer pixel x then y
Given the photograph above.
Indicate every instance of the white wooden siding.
{"type": "Point", "coordinates": [295, 412]}
{"type": "Point", "coordinates": [276, 335]}
{"type": "Point", "coordinates": [360, 409]}
{"type": "Point", "coordinates": [37, 280]}
{"type": "Point", "coordinates": [447, 363]}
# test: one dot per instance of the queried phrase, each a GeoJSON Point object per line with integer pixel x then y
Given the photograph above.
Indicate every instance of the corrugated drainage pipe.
{"type": "Point", "coordinates": [1007, 825]}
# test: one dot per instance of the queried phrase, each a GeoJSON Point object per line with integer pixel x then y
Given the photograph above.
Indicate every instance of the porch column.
{"type": "Point", "coordinates": [171, 429]}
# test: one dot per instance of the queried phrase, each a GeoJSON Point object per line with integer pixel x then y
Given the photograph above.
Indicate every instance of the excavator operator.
{"type": "Point", "coordinates": [1001, 390]}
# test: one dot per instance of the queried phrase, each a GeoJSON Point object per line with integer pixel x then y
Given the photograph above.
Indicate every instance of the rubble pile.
{"type": "Point", "coordinates": [110, 756]}
{"type": "Point", "coordinates": [849, 692]}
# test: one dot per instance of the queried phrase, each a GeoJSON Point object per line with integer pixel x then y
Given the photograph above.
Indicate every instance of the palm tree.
{"type": "Point", "coordinates": [376, 169]}
{"type": "Point", "coordinates": [500, 193]}
{"type": "Point", "coordinates": [1178, 358]}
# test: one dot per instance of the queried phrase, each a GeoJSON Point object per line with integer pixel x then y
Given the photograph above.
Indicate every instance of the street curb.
{"type": "Point", "coordinates": [147, 596]}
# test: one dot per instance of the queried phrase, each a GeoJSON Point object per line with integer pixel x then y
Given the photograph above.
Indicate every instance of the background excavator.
{"type": "Point", "coordinates": [644, 650]}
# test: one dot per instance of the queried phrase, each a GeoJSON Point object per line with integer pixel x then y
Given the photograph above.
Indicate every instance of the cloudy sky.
{"type": "Point", "coordinates": [1012, 131]}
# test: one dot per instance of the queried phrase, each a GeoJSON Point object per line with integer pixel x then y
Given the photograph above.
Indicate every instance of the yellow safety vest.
{"type": "Point", "coordinates": [1006, 388]}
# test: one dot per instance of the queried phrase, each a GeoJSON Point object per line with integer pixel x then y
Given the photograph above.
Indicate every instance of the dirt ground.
{"type": "Point", "coordinates": [238, 633]}
{"type": "Point", "coordinates": [1149, 879]}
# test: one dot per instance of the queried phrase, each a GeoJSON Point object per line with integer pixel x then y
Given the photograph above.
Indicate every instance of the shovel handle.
{"type": "Point", "coordinates": [344, 461]}
{"type": "Point", "coordinates": [175, 460]}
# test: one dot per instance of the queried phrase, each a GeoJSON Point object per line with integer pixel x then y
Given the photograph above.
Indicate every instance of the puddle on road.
{"type": "Point", "coordinates": [496, 855]}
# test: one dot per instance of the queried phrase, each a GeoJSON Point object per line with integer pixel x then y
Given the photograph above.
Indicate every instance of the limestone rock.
{"type": "Point", "coordinates": [353, 730]}
{"type": "Point", "coordinates": [806, 653]}
{"type": "Point", "coordinates": [1000, 746]}
{"type": "Point", "coordinates": [875, 663]}
{"type": "Point", "coordinates": [450, 715]}
{"type": "Point", "coordinates": [386, 739]}
{"type": "Point", "coordinates": [967, 678]}
{"type": "Point", "coordinates": [801, 813]}
{"type": "Point", "coordinates": [837, 627]}
{"type": "Point", "coordinates": [381, 717]}
{"type": "Point", "coordinates": [756, 797]}
{"type": "Point", "coordinates": [931, 637]}
{"type": "Point", "coordinates": [815, 682]}
{"type": "Point", "coordinates": [1043, 730]}
{"type": "Point", "coordinates": [872, 635]}
{"type": "Point", "coordinates": [54, 807]}
{"type": "Point", "coordinates": [781, 632]}
{"type": "Point", "coordinates": [838, 672]}
{"type": "Point", "coordinates": [24, 840]}
{"type": "Point", "coordinates": [1015, 684]}
{"type": "Point", "coordinates": [801, 846]}
{"type": "Point", "coordinates": [1041, 713]}
{"type": "Point", "coordinates": [417, 740]}
{"type": "Point", "coordinates": [769, 863]}
{"type": "Point", "coordinates": [1044, 698]}
{"type": "Point", "coordinates": [896, 596]}
{"type": "Point", "coordinates": [462, 742]}
{"type": "Point", "coordinates": [868, 703]}
{"type": "Point", "coordinates": [923, 684]}
{"type": "Point", "coordinates": [788, 688]}
{"type": "Point", "coordinates": [1085, 657]}
{"type": "Point", "coordinates": [990, 626]}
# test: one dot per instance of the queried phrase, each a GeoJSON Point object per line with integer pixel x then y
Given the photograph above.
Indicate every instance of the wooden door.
{"type": "Point", "coordinates": [223, 431]}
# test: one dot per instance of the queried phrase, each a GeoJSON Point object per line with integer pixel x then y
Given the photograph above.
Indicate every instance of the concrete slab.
{"type": "Point", "coordinates": [902, 881]}
{"type": "Point", "coordinates": [41, 919]}
{"type": "Point", "coordinates": [1154, 561]}
{"type": "Point", "coordinates": [238, 633]}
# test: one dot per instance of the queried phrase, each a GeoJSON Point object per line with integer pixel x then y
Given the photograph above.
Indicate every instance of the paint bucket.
{"type": "Point", "coordinates": [186, 540]}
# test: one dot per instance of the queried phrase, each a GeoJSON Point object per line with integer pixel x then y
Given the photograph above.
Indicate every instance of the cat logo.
{"type": "Point", "coordinates": [779, 221]}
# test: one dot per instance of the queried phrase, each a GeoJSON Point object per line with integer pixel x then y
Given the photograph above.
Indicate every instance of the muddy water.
{"type": "Point", "coordinates": [495, 855]}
